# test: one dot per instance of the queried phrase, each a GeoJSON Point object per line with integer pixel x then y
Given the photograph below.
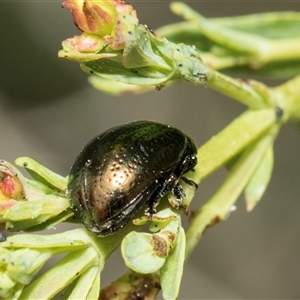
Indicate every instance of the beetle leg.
{"type": "Point", "coordinates": [178, 192]}
{"type": "Point", "coordinates": [150, 210]}
{"type": "Point", "coordinates": [164, 186]}
{"type": "Point", "coordinates": [185, 164]}
{"type": "Point", "coordinates": [189, 182]}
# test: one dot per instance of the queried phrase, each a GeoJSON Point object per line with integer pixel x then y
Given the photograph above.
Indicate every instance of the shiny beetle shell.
{"type": "Point", "coordinates": [126, 168]}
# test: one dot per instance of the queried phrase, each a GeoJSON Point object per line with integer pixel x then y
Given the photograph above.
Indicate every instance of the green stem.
{"type": "Point", "coordinates": [288, 98]}
{"type": "Point", "coordinates": [231, 140]}
{"type": "Point", "coordinates": [251, 93]}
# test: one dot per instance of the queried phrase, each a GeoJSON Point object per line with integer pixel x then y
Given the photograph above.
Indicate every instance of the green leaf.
{"type": "Point", "coordinates": [68, 290]}
{"type": "Point", "coordinates": [146, 253]}
{"type": "Point", "coordinates": [280, 69]}
{"type": "Point", "coordinates": [66, 241]}
{"type": "Point", "coordinates": [117, 88]}
{"type": "Point", "coordinates": [258, 183]}
{"type": "Point", "coordinates": [94, 291]}
{"type": "Point", "coordinates": [88, 285]}
{"type": "Point", "coordinates": [112, 69]}
{"type": "Point", "coordinates": [140, 46]}
{"type": "Point", "coordinates": [189, 64]}
{"type": "Point", "coordinates": [225, 36]}
{"type": "Point", "coordinates": [66, 215]}
{"type": "Point", "coordinates": [171, 272]}
{"type": "Point", "coordinates": [139, 255]}
{"type": "Point", "coordinates": [77, 56]}
{"type": "Point", "coordinates": [9, 289]}
{"type": "Point", "coordinates": [27, 214]}
{"type": "Point", "coordinates": [42, 174]}
{"type": "Point", "coordinates": [272, 25]}
{"type": "Point", "coordinates": [23, 264]}
{"type": "Point", "coordinates": [18, 267]}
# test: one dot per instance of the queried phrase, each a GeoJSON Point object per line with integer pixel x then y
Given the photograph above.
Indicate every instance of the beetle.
{"type": "Point", "coordinates": [126, 168]}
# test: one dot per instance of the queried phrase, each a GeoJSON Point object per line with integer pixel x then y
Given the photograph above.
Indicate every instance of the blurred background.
{"type": "Point", "coordinates": [49, 112]}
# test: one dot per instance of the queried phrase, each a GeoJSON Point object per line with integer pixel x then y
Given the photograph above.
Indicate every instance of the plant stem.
{"type": "Point", "coordinates": [249, 92]}
{"type": "Point", "coordinates": [231, 140]}
{"type": "Point", "coordinates": [288, 98]}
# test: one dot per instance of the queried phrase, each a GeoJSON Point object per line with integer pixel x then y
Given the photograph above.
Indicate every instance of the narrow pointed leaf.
{"type": "Point", "coordinates": [258, 183]}
{"type": "Point", "coordinates": [41, 173]}
{"type": "Point", "coordinates": [172, 270]}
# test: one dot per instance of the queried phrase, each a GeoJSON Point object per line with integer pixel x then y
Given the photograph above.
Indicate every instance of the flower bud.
{"type": "Point", "coordinates": [101, 23]}
{"type": "Point", "coordinates": [86, 42]}
{"type": "Point", "coordinates": [91, 16]}
{"type": "Point", "coordinates": [10, 184]}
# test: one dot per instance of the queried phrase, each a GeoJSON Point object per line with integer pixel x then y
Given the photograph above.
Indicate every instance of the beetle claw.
{"type": "Point", "coordinates": [150, 211]}
{"type": "Point", "coordinates": [189, 182]}
{"type": "Point", "coordinates": [178, 192]}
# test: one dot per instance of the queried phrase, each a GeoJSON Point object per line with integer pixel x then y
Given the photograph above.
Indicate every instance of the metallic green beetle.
{"type": "Point", "coordinates": [126, 168]}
